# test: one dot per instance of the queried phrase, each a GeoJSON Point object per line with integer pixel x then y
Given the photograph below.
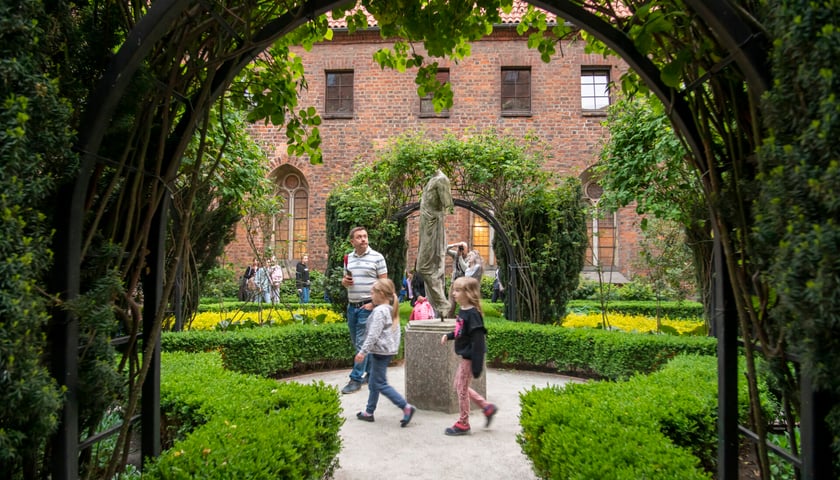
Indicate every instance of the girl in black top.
{"type": "Point", "coordinates": [469, 336]}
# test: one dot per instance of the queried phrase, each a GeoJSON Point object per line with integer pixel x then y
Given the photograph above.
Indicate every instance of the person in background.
{"type": "Point", "coordinates": [404, 287]}
{"type": "Point", "coordinates": [470, 344]}
{"type": "Point", "coordinates": [362, 266]}
{"type": "Point", "coordinates": [408, 284]}
{"type": "Point", "coordinates": [275, 273]}
{"type": "Point", "coordinates": [245, 293]}
{"type": "Point", "coordinates": [475, 268]}
{"type": "Point", "coordinates": [382, 342]}
{"type": "Point", "coordinates": [458, 252]}
{"type": "Point", "coordinates": [263, 280]}
{"type": "Point", "coordinates": [498, 289]}
{"type": "Point", "coordinates": [302, 282]}
{"type": "Point", "coordinates": [418, 287]}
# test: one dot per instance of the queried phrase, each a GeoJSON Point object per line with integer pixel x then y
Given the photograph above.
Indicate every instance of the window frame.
{"type": "Point", "coordinates": [291, 229]}
{"type": "Point", "coordinates": [340, 94]}
{"type": "Point", "coordinates": [593, 94]}
{"type": "Point", "coordinates": [516, 85]}
{"type": "Point", "coordinates": [427, 99]}
{"type": "Point", "coordinates": [480, 231]}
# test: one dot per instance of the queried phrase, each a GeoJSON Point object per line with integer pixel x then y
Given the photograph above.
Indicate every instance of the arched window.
{"type": "Point", "coordinates": [600, 228]}
{"type": "Point", "coordinates": [291, 232]}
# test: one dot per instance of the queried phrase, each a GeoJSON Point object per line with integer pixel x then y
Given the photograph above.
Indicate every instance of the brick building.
{"type": "Point", "coordinates": [502, 84]}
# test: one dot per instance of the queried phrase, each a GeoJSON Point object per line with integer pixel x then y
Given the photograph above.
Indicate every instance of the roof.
{"type": "Point", "coordinates": [512, 18]}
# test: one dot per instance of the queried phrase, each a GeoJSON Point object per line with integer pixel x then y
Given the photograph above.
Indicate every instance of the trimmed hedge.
{"type": "Point", "coordinates": [670, 309]}
{"type": "Point", "coordinates": [242, 426]}
{"type": "Point", "coordinates": [586, 352]}
{"type": "Point", "coordinates": [276, 351]}
{"type": "Point", "coordinates": [270, 351]}
{"type": "Point", "coordinates": [651, 426]}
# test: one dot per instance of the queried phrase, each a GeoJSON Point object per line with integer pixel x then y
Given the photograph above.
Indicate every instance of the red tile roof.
{"type": "Point", "coordinates": [512, 18]}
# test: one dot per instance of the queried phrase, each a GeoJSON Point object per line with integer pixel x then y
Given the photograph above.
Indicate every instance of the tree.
{"type": "Point", "coordinates": [223, 178]}
{"type": "Point", "coordinates": [644, 162]}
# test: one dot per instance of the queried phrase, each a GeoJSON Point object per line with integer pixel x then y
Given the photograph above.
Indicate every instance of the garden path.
{"type": "Point", "coordinates": [384, 451]}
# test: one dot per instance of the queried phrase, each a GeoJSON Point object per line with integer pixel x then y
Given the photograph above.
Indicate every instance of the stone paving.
{"type": "Point", "coordinates": [384, 451]}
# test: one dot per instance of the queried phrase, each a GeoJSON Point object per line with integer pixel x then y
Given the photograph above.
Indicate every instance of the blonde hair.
{"type": "Point", "coordinates": [472, 290]}
{"type": "Point", "coordinates": [386, 287]}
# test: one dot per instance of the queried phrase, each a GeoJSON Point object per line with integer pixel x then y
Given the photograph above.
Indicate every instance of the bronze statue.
{"type": "Point", "coordinates": [435, 203]}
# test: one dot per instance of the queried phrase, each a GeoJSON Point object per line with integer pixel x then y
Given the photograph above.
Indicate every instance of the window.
{"type": "Point", "coordinates": [339, 95]}
{"type": "Point", "coordinates": [594, 89]}
{"type": "Point", "coordinates": [481, 241]}
{"type": "Point", "coordinates": [516, 91]}
{"type": "Point", "coordinates": [600, 228]}
{"type": "Point", "coordinates": [292, 226]}
{"type": "Point", "coordinates": [427, 109]}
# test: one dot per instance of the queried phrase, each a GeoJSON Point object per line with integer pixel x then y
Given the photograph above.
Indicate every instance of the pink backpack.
{"type": "Point", "coordinates": [423, 310]}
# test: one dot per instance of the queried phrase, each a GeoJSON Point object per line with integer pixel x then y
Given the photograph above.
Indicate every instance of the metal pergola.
{"type": "Point", "coordinates": [747, 49]}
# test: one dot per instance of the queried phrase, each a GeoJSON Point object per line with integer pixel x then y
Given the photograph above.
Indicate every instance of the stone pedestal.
{"type": "Point", "coordinates": [430, 367]}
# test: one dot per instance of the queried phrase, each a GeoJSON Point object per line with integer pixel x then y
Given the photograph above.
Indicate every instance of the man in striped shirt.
{"type": "Point", "coordinates": [362, 267]}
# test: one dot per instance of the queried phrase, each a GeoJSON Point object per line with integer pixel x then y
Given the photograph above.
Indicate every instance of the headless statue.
{"type": "Point", "coordinates": [435, 203]}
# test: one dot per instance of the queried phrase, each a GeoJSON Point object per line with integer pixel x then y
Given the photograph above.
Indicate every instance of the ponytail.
{"type": "Point", "coordinates": [395, 312]}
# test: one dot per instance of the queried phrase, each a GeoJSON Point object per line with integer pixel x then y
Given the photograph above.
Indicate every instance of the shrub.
{"type": "Point", "coordinates": [655, 426]}
{"type": "Point", "coordinates": [220, 282]}
{"type": "Point", "coordinates": [229, 425]}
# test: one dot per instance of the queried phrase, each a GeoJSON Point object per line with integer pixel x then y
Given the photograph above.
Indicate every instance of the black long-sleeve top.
{"type": "Point", "coordinates": [469, 336]}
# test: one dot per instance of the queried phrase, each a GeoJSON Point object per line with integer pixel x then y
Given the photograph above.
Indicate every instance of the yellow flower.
{"type": "Point", "coordinates": [274, 316]}
{"type": "Point", "coordinates": [628, 323]}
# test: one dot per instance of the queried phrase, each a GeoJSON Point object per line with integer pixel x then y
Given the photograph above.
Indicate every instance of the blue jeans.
{"type": "Point", "coordinates": [379, 383]}
{"type": "Point", "coordinates": [357, 324]}
{"type": "Point", "coordinates": [304, 295]}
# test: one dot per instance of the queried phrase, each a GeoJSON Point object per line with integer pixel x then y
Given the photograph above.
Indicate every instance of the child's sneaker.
{"type": "Point", "coordinates": [457, 429]}
{"type": "Point", "coordinates": [365, 417]}
{"type": "Point", "coordinates": [408, 412]}
{"type": "Point", "coordinates": [489, 411]}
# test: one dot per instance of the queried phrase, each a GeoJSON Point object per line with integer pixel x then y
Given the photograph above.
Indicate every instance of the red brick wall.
{"type": "Point", "coordinates": [386, 104]}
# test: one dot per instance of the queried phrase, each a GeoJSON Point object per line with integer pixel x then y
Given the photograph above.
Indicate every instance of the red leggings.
{"type": "Point", "coordinates": [463, 377]}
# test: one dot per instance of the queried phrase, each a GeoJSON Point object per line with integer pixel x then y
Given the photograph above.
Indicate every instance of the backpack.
{"type": "Point", "coordinates": [423, 310]}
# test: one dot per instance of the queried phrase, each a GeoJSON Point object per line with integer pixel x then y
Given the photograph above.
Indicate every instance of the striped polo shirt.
{"type": "Point", "coordinates": [366, 269]}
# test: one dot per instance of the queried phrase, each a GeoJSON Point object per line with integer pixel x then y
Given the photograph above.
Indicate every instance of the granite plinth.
{"type": "Point", "coordinates": [430, 367]}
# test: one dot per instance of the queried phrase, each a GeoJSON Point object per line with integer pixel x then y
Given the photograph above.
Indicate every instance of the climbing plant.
{"type": "Point", "coordinates": [543, 216]}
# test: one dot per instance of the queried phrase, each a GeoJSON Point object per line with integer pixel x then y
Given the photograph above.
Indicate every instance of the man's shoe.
{"type": "Point", "coordinates": [489, 411]}
{"type": "Point", "coordinates": [352, 386]}
{"type": "Point", "coordinates": [408, 412]}
{"type": "Point", "coordinates": [365, 379]}
{"type": "Point", "coordinates": [365, 417]}
{"type": "Point", "coordinates": [457, 430]}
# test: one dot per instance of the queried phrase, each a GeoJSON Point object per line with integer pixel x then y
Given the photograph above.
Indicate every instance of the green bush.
{"type": "Point", "coordinates": [673, 310]}
{"type": "Point", "coordinates": [220, 282]}
{"type": "Point", "coordinates": [228, 425]}
{"type": "Point", "coordinates": [35, 150]}
{"type": "Point", "coordinates": [586, 352]}
{"type": "Point", "coordinates": [636, 291]}
{"type": "Point", "coordinates": [652, 426]}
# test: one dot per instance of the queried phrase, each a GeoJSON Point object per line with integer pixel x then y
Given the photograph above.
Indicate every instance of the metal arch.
{"type": "Point", "coordinates": [719, 14]}
{"type": "Point", "coordinates": [511, 312]}
{"type": "Point", "coordinates": [748, 47]}
{"type": "Point", "coordinates": [744, 46]}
